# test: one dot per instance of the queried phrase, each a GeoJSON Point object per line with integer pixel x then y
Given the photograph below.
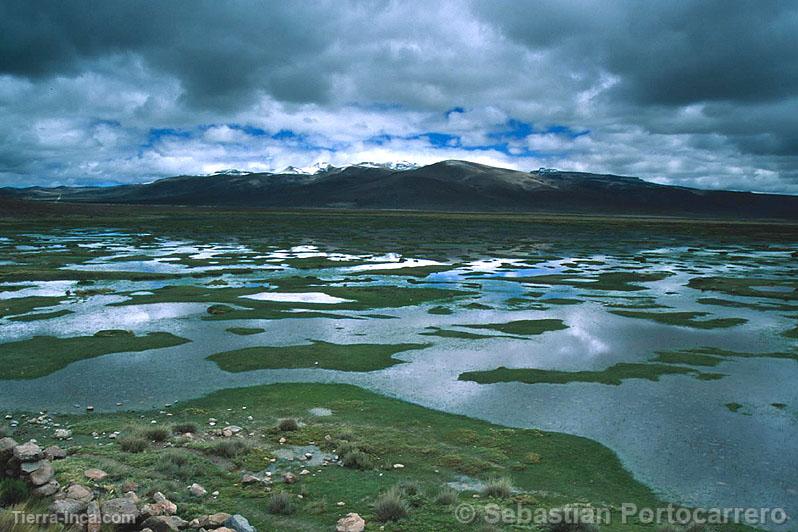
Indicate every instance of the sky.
{"type": "Point", "coordinates": [697, 93]}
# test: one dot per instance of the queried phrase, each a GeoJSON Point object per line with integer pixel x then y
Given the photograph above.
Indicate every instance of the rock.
{"type": "Point", "coordinates": [164, 523]}
{"type": "Point", "coordinates": [304, 472]}
{"type": "Point", "coordinates": [231, 430]}
{"type": "Point", "coordinates": [249, 479]}
{"type": "Point", "coordinates": [27, 452]}
{"type": "Point", "coordinates": [239, 523]}
{"type": "Point", "coordinates": [352, 522]}
{"type": "Point", "coordinates": [79, 493]}
{"type": "Point", "coordinates": [210, 521]}
{"type": "Point", "coordinates": [282, 440]}
{"type": "Point", "coordinates": [224, 529]}
{"type": "Point", "coordinates": [120, 511]}
{"type": "Point", "coordinates": [7, 448]}
{"type": "Point", "coordinates": [289, 478]}
{"type": "Point", "coordinates": [54, 452]}
{"type": "Point", "coordinates": [398, 466]}
{"type": "Point", "coordinates": [30, 467]}
{"type": "Point", "coordinates": [197, 491]}
{"type": "Point", "coordinates": [162, 506]}
{"type": "Point", "coordinates": [43, 474]}
{"type": "Point", "coordinates": [47, 490]}
{"type": "Point", "coordinates": [95, 474]}
{"type": "Point", "coordinates": [132, 496]}
{"type": "Point", "coordinates": [89, 408]}
{"type": "Point", "coordinates": [62, 434]}
{"type": "Point", "coordinates": [66, 507]}
{"type": "Point", "coordinates": [94, 518]}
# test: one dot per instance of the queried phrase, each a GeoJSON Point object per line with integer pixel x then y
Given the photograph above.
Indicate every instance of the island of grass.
{"type": "Point", "coordinates": [682, 319]}
{"type": "Point", "coordinates": [521, 327]}
{"type": "Point", "coordinates": [609, 281]}
{"type": "Point", "coordinates": [245, 331]}
{"type": "Point", "coordinates": [546, 469]}
{"type": "Point", "coordinates": [712, 356]}
{"type": "Point", "coordinates": [784, 289]}
{"type": "Point", "coordinates": [318, 354]}
{"type": "Point", "coordinates": [232, 303]}
{"type": "Point", "coordinates": [42, 355]}
{"type": "Point", "coordinates": [614, 375]}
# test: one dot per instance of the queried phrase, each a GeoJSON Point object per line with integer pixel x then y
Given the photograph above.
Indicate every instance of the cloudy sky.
{"type": "Point", "coordinates": [698, 93]}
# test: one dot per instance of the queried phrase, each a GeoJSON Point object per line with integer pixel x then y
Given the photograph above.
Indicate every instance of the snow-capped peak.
{"type": "Point", "coordinates": [393, 165]}
{"type": "Point", "coordinates": [324, 167]}
{"type": "Point", "coordinates": [231, 171]}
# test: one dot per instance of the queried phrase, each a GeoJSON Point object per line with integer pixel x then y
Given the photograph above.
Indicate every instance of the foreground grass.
{"type": "Point", "coordinates": [545, 469]}
{"type": "Point", "coordinates": [326, 355]}
{"type": "Point", "coordinates": [42, 355]}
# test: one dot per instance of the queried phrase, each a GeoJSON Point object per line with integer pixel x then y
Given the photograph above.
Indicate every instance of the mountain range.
{"type": "Point", "coordinates": [443, 186]}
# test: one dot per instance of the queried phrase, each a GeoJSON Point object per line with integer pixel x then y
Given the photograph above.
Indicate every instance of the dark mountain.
{"type": "Point", "coordinates": [444, 186]}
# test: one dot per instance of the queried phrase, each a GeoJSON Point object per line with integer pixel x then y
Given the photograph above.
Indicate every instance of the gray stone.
{"type": "Point", "coordinates": [239, 523]}
{"type": "Point", "coordinates": [94, 519]}
{"type": "Point", "coordinates": [79, 493]}
{"type": "Point", "coordinates": [27, 452]}
{"type": "Point", "coordinates": [48, 490]}
{"type": "Point", "coordinates": [65, 507]}
{"type": "Point", "coordinates": [120, 510]}
{"type": "Point", "coordinates": [30, 467]}
{"type": "Point", "coordinates": [164, 523]}
{"type": "Point", "coordinates": [43, 474]}
{"type": "Point", "coordinates": [54, 452]}
{"type": "Point", "coordinates": [7, 448]}
{"type": "Point", "coordinates": [352, 522]}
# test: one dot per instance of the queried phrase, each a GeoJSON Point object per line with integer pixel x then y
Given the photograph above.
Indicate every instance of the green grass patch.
{"type": "Point", "coordinates": [245, 331]}
{"type": "Point", "coordinates": [682, 319]}
{"type": "Point", "coordinates": [522, 327]}
{"type": "Point", "coordinates": [614, 375]}
{"type": "Point", "coordinates": [326, 355]}
{"type": "Point", "coordinates": [42, 355]}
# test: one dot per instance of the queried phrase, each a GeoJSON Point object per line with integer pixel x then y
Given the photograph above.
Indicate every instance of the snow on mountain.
{"type": "Point", "coordinates": [231, 171]}
{"type": "Point", "coordinates": [324, 167]}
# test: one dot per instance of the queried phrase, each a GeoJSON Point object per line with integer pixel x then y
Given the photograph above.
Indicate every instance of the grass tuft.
{"type": "Point", "coordinates": [356, 459]}
{"type": "Point", "coordinates": [288, 424]}
{"type": "Point", "coordinates": [390, 506]}
{"type": "Point", "coordinates": [156, 434]}
{"type": "Point", "coordinates": [133, 443]}
{"type": "Point", "coordinates": [184, 428]}
{"type": "Point", "coordinates": [13, 491]}
{"type": "Point", "coordinates": [501, 488]}
{"type": "Point", "coordinates": [446, 496]}
{"type": "Point", "coordinates": [280, 503]}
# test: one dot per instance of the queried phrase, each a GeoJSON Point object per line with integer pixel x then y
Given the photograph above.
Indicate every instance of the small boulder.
{"type": "Point", "coordinates": [249, 479]}
{"type": "Point", "coordinates": [79, 493]}
{"type": "Point", "coordinates": [398, 466]}
{"type": "Point", "coordinates": [43, 474]}
{"type": "Point", "coordinates": [7, 448]}
{"type": "Point", "coordinates": [27, 452]}
{"type": "Point", "coordinates": [63, 508]}
{"type": "Point", "coordinates": [289, 478]}
{"type": "Point", "coordinates": [213, 521]}
{"type": "Point", "coordinates": [239, 523]}
{"type": "Point", "coordinates": [96, 475]}
{"type": "Point", "coordinates": [29, 467]}
{"type": "Point", "coordinates": [62, 434]}
{"type": "Point", "coordinates": [197, 491]}
{"type": "Point", "coordinates": [120, 510]}
{"type": "Point", "coordinates": [164, 523]}
{"type": "Point", "coordinates": [352, 522]}
{"type": "Point", "coordinates": [94, 519]}
{"type": "Point", "coordinates": [47, 490]}
{"type": "Point", "coordinates": [54, 452]}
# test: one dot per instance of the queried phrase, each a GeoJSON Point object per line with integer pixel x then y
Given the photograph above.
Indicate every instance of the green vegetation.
{"type": "Point", "coordinates": [440, 310]}
{"type": "Point", "coordinates": [682, 319]}
{"type": "Point", "coordinates": [449, 333]}
{"type": "Point", "coordinates": [748, 286]}
{"type": "Point", "coordinates": [612, 375]}
{"type": "Point", "coordinates": [41, 315]}
{"type": "Point", "coordinates": [343, 357]}
{"type": "Point", "coordinates": [733, 407]}
{"type": "Point", "coordinates": [611, 281]}
{"type": "Point", "coordinates": [712, 356]}
{"type": "Point", "coordinates": [42, 355]}
{"type": "Point", "coordinates": [22, 305]}
{"type": "Point", "coordinates": [522, 327]}
{"type": "Point", "coordinates": [500, 488]}
{"type": "Point", "coordinates": [245, 331]}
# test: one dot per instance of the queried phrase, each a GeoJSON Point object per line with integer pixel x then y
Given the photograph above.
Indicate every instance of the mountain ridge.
{"type": "Point", "coordinates": [443, 186]}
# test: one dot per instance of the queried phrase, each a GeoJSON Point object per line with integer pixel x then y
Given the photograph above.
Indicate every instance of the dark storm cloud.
{"type": "Point", "coordinates": [698, 92]}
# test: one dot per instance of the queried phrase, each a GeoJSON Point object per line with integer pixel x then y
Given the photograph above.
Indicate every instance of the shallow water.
{"type": "Point", "coordinates": [676, 434]}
